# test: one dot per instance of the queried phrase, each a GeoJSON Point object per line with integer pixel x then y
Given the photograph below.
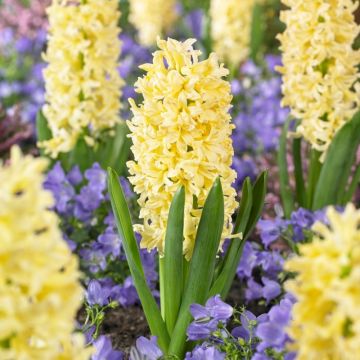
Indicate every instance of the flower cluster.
{"type": "Point", "coordinates": [326, 316]}
{"type": "Point", "coordinates": [21, 81]}
{"type": "Point", "coordinates": [320, 67]}
{"type": "Point", "coordinates": [39, 287]}
{"type": "Point", "coordinates": [151, 18]}
{"type": "Point", "coordinates": [181, 136]}
{"type": "Point", "coordinates": [257, 114]}
{"type": "Point", "coordinates": [81, 80]}
{"type": "Point", "coordinates": [90, 230]}
{"type": "Point", "coordinates": [230, 29]}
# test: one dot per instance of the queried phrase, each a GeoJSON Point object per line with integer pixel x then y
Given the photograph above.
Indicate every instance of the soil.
{"type": "Point", "coordinates": [124, 326]}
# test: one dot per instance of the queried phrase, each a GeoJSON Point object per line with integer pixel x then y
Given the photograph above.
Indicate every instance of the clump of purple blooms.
{"type": "Point", "coordinates": [21, 80]}
{"type": "Point", "coordinates": [257, 114]}
{"type": "Point", "coordinates": [88, 226]}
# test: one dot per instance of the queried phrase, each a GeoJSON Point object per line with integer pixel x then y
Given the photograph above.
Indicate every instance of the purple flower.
{"type": "Point", "coordinates": [272, 332]}
{"type": "Point", "coordinates": [74, 176]}
{"type": "Point", "coordinates": [125, 184]}
{"type": "Point", "coordinates": [204, 352]}
{"type": "Point", "coordinates": [247, 262]}
{"type": "Point", "coordinates": [104, 350]}
{"type": "Point", "coordinates": [218, 309]}
{"type": "Point", "coordinates": [96, 177]}
{"type": "Point", "coordinates": [97, 294]}
{"type": "Point", "coordinates": [270, 230]}
{"type": "Point", "coordinates": [253, 291]}
{"type": "Point", "coordinates": [146, 348]}
{"type": "Point", "coordinates": [271, 289]}
{"type": "Point", "coordinates": [236, 87]}
{"type": "Point", "coordinates": [23, 45]}
{"type": "Point", "coordinates": [61, 188]}
{"type": "Point", "coordinates": [248, 323]}
{"type": "Point", "coordinates": [195, 21]}
{"type": "Point", "coordinates": [94, 257]}
{"type": "Point", "coordinates": [125, 294]}
{"type": "Point", "coordinates": [244, 168]}
{"type": "Point", "coordinates": [208, 317]}
{"type": "Point", "coordinates": [111, 242]}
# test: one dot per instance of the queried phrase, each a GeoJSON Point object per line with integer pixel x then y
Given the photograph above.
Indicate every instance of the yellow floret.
{"type": "Point", "coordinates": [320, 67]}
{"type": "Point", "coordinates": [82, 80]}
{"type": "Point", "coordinates": [230, 29]}
{"type": "Point", "coordinates": [326, 318]}
{"type": "Point", "coordinates": [40, 292]}
{"type": "Point", "coordinates": [152, 18]}
{"type": "Point", "coordinates": [181, 136]}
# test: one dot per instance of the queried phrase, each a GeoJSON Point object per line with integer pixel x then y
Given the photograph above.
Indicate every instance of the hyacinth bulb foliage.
{"type": "Point", "coordinates": [331, 182]}
{"type": "Point", "coordinates": [181, 170]}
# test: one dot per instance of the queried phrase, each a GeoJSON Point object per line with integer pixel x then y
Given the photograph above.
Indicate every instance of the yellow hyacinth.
{"type": "Point", "coordinates": [230, 29]}
{"type": "Point", "coordinates": [83, 85]}
{"type": "Point", "coordinates": [326, 318]}
{"type": "Point", "coordinates": [152, 18]}
{"type": "Point", "coordinates": [181, 136]}
{"type": "Point", "coordinates": [40, 292]}
{"type": "Point", "coordinates": [320, 67]}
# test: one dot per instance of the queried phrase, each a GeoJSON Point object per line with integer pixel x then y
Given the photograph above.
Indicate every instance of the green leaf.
{"type": "Point", "coordinates": [336, 170]}
{"type": "Point", "coordinates": [285, 190]}
{"type": "Point", "coordinates": [259, 193]}
{"type": "Point", "coordinates": [43, 131]}
{"type": "Point", "coordinates": [114, 150]}
{"type": "Point", "coordinates": [231, 260]}
{"type": "Point", "coordinates": [82, 155]}
{"type": "Point", "coordinates": [202, 264]}
{"type": "Point", "coordinates": [173, 259]}
{"type": "Point", "coordinates": [124, 225]}
{"type": "Point", "coordinates": [313, 176]}
{"type": "Point", "coordinates": [257, 31]}
{"type": "Point", "coordinates": [121, 147]}
{"type": "Point", "coordinates": [298, 171]}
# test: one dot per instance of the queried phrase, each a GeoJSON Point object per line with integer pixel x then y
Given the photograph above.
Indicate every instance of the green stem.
{"type": "Point", "coordinates": [313, 177]}
{"type": "Point", "coordinates": [298, 170]}
{"type": "Point", "coordinates": [285, 190]}
{"type": "Point", "coordinates": [162, 286]}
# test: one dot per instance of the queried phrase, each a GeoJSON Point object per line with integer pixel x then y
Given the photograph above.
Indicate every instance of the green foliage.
{"type": "Point", "coordinates": [183, 283]}
{"type": "Point", "coordinates": [111, 150]}
{"type": "Point", "coordinates": [332, 182]}
{"type": "Point", "coordinates": [124, 225]}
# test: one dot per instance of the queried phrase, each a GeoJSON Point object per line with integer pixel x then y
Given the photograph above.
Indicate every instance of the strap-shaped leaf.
{"type": "Point", "coordinates": [259, 193]}
{"type": "Point", "coordinates": [313, 176]}
{"type": "Point", "coordinates": [43, 131]}
{"type": "Point", "coordinates": [335, 173]}
{"type": "Point", "coordinates": [173, 260]}
{"type": "Point", "coordinates": [231, 260]}
{"type": "Point", "coordinates": [202, 264]}
{"type": "Point", "coordinates": [124, 225]}
{"type": "Point", "coordinates": [113, 151]}
{"type": "Point", "coordinates": [257, 31]}
{"type": "Point", "coordinates": [285, 190]}
{"type": "Point", "coordinates": [299, 174]}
